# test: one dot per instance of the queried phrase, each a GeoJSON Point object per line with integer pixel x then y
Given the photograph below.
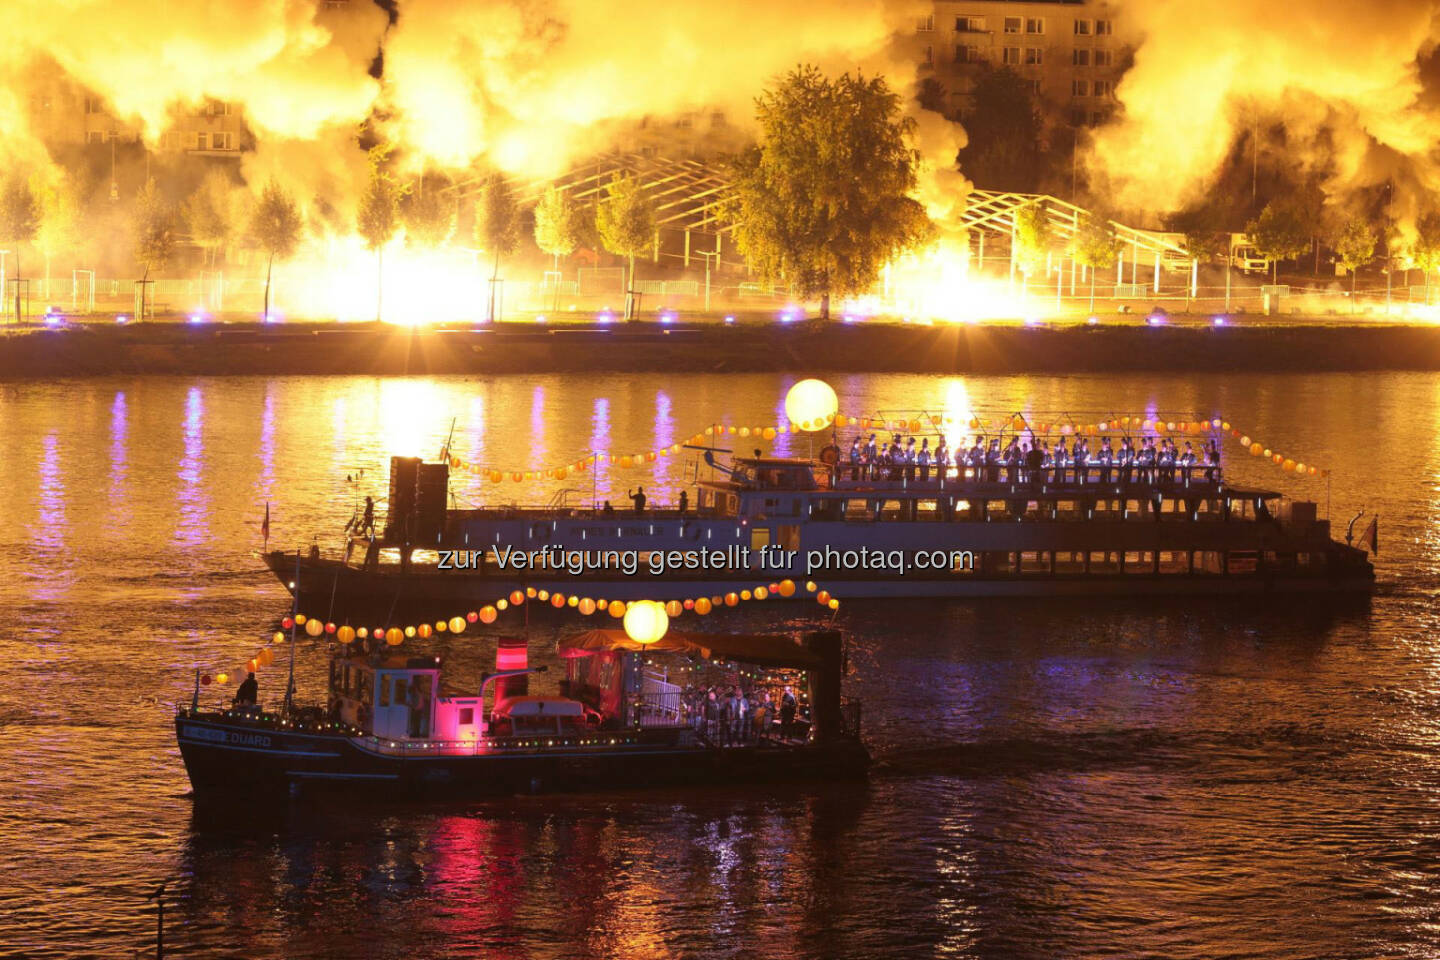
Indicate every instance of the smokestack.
{"type": "Point", "coordinates": [512, 653]}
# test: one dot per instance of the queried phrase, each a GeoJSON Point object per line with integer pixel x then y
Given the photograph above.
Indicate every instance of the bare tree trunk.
{"type": "Point", "coordinates": [1092, 289]}
{"type": "Point", "coordinates": [824, 306]}
{"type": "Point", "coordinates": [494, 276]}
{"type": "Point", "coordinates": [268, 267]}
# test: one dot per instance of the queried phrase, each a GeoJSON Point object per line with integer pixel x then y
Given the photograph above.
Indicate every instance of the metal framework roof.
{"type": "Point", "coordinates": [686, 193]}
{"type": "Point", "coordinates": [995, 212]}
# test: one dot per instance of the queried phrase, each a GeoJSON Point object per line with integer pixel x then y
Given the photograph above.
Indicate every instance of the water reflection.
{"type": "Point", "coordinates": [191, 530]}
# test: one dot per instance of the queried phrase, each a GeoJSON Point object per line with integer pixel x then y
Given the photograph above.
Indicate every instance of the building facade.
{"type": "Point", "coordinates": [1072, 52]}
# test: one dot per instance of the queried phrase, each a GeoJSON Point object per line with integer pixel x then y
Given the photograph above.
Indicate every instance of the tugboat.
{"type": "Point", "coordinates": [619, 720]}
{"type": "Point", "coordinates": [987, 531]}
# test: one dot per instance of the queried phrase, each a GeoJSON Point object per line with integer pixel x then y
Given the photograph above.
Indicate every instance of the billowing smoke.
{"type": "Point", "coordinates": [1344, 79]}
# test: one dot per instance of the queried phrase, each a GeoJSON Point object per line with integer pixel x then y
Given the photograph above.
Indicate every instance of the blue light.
{"type": "Point", "coordinates": [274, 317]}
{"type": "Point", "coordinates": [605, 316]}
{"type": "Point", "coordinates": [667, 318]}
{"type": "Point", "coordinates": [197, 318]}
{"type": "Point", "coordinates": [1093, 321]}
{"type": "Point", "coordinates": [541, 319]}
{"type": "Point", "coordinates": [729, 319]}
{"type": "Point", "coordinates": [121, 318]}
{"type": "Point", "coordinates": [1155, 320]}
{"type": "Point", "coordinates": [1219, 321]}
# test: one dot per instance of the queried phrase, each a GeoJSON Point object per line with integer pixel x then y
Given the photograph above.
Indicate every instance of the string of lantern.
{"type": "Point", "coordinates": [639, 625]}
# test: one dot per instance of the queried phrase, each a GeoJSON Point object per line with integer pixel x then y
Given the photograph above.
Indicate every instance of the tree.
{"type": "Point", "coordinates": [430, 213]}
{"type": "Point", "coordinates": [59, 228]}
{"type": "Point", "coordinates": [497, 228]}
{"type": "Point", "coordinates": [275, 228]}
{"type": "Point", "coordinates": [378, 216]}
{"type": "Point", "coordinates": [1278, 234]}
{"type": "Point", "coordinates": [212, 212]}
{"type": "Point", "coordinates": [1354, 247]}
{"type": "Point", "coordinates": [1095, 247]}
{"type": "Point", "coordinates": [823, 202]}
{"type": "Point", "coordinates": [1004, 130]}
{"type": "Point", "coordinates": [1205, 240]}
{"type": "Point", "coordinates": [625, 221]}
{"type": "Point", "coordinates": [559, 224]}
{"type": "Point", "coordinates": [19, 221]}
{"type": "Point", "coordinates": [1031, 237]}
{"type": "Point", "coordinates": [1425, 248]}
{"type": "Point", "coordinates": [154, 234]}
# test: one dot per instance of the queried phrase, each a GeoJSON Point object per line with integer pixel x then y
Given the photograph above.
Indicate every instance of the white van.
{"type": "Point", "coordinates": [1245, 257]}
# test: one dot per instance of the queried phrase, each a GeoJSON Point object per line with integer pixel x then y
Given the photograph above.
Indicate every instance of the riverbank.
{"type": "Point", "coordinates": [329, 348]}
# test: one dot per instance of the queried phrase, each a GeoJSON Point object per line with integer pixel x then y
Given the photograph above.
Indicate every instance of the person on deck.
{"type": "Point", "coordinates": [248, 693]}
{"type": "Point", "coordinates": [638, 498]}
{"type": "Point", "coordinates": [740, 726]}
{"type": "Point", "coordinates": [922, 460]}
{"type": "Point", "coordinates": [607, 510]}
{"type": "Point", "coordinates": [684, 501]}
{"type": "Point", "coordinates": [788, 706]}
{"type": "Point", "coordinates": [1212, 457]}
{"type": "Point", "coordinates": [367, 522]}
{"type": "Point", "coordinates": [764, 714]}
{"type": "Point", "coordinates": [855, 459]}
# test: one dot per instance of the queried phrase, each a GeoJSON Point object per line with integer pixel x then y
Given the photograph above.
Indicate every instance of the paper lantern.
{"type": "Point", "coordinates": [616, 609]}
{"type": "Point", "coordinates": [1299, 468]}
{"type": "Point", "coordinates": [809, 586]}
{"type": "Point", "coordinates": [688, 604]}
{"type": "Point", "coordinates": [1256, 449]}
{"type": "Point", "coordinates": [204, 679]}
{"type": "Point", "coordinates": [744, 594]}
{"type": "Point", "coordinates": [811, 403]}
{"type": "Point", "coordinates": [587, 606]}
{"type": "Point", "coordinates": [572, 601]}
{"type": "Point", "coordinates": [488, 614]}
{"type": "Point", "coordinates": [702, 606]}
{"type": "Point", "coordinates": [1288, 466]}
{"type": "Point", "coordinates": [768, 433]}
{"type": "Point", "coordinates": [362, 633]}
{"type": "Point", "coordinates": [345, 634]}
{"type": "Point", "coordinates": [265, 657]}
{"type": "Point", "coordinates": [531, 593]}
{"type": "Point", "coordinates": [823, 598]}
{"type": "Point", "coordinates": [222, 677]}
{"type": "Point", "coordinates": [252, 665]}
{"type": "Point", "coordinates": [1276, 458]}
{"type": "Point", "coordinates": [424, 630]}
{"type": "Point", "coordinates": [314, 627]}
{"type": "Point", "coordinates": [287, 623]}
{"type": "Point", "coordinates": [394, 636]}
{"type": "Point", "coordinates": [330, 628]}
{"type": "Point", "coordinates": [457, 624]}
{"type": "Point", "coordinates": [834, 604]}
{"type": "Point", "coordinates": [472, 616]}
{"type": "Point", "coordinates": [761, 593]}
{"type": "Point", "coordinates": [1245, 441]}
{"type": "Point", "coordinates": [441, 626]}
{"type": "Point", "coordinates": [410, 632]}
{"type": "Point", "coordinates": [502, 604]}
{"type": "Point", "coordinates": [646, 622]}
{"type": "Point", "coordinates": [731, 599]}
{"type": "Point", "coordinates": [279, 637]}
{"type": "Point", "coordinates": [300, 619]}
{"type": "Point", "coordinates": [517, 597]}
{"type": "Point", "coordinates": [787, 588]}
{"type": "Point", "coordinates": [557, 600]}
{"type": "Point", "coordinates": [673, 608]}
{"type": "Point", "coordinates": [1224, 424]}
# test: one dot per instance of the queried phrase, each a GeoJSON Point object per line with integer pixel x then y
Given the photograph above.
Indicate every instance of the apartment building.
{"type": "Point", "coordinates": [1072, 52]}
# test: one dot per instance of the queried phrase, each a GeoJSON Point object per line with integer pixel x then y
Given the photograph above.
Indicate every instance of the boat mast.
{"type": "Point", "coordinates": [294, 609]}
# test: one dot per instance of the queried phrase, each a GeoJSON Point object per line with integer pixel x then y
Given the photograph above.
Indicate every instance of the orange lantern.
{"type": "Point", "coordinates": [424, 630]}
{"type": "Point", "coordinates": [517, 597]}
{"type": "Point", "coordinates": [488, 614]}
{"type": "Point", "coordinates": [787, 588]}
{"type": "Point", "coordinates": [702, 606]}
{"type": "Point", "coordinates": [731, 599]}
{"type": "Point", "coordinates": [823, 597]}
{"type": "Point", "coordinates": [673, 608]}
{"type": "Point", "coordinates": [617, 609]}
{"type": "Point", "coordinates": [761, 593]}
{"type": "Point", "coordinates": [457, 624]}
{"type": "Point", "coordinates": [394, 636]}
{"type": "Point", "coordinates": [587, 606]}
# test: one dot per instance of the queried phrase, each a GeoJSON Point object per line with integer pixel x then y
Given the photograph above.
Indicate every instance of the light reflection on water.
{"type": "Point", "coordinates": [1181, 779]}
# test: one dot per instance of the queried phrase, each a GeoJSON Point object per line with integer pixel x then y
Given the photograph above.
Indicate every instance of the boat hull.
{"type": "Point", "coordinates": [223, 758]}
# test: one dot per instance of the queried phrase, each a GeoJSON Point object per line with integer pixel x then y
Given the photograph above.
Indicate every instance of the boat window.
{"type": "Point", "coordinates": [467, 716]}
{"type": "Point", "coordinates": [1068, 510]}
{"type": "Point", "coordinates": [997, 510]}
{"type": "Point", "coordinates": [963, 562]}
{"type": "Point", "coordinates": [1001, 562]}
{"type": "Point", "coordinates": [1034, 561]}
{"type": "Point", "coordinates": [1208, 561]}
{"type": "Point", "coordinates": [857, 510]}
{"type": "Point", "coordinates": [1243, 561]}
{"type": "Point", "coordinates": [1069, 561]}
{"type": "Point", "coordinates": [759, 538]}
{"type": "Point", "coordinates": [1174, 561]}
{"type": "Point", "coordinates": [384, 690]}
{"type": "Point", "coordinates": [1104, 562]}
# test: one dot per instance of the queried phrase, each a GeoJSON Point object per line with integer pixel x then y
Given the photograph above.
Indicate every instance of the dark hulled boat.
{"type": "Point", "coordinates": [392, 728]}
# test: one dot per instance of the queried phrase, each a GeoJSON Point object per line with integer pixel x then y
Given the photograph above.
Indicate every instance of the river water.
{"type": "Point", "coordinates": [1181, 778]}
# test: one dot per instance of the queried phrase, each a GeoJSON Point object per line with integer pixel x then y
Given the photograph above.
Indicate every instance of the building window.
{"type": "Point", "coordinates": [201, 141]}
{"type": "Point", "coordinates": [95, 136]}
{"type": "Point", "coordinates": [1082, 28]}
{"type": "Point", "coordinates": [969, 24]}
{"type": "Point", "coordinates": [1103, 28]}
{"type": "Point", "coordinates": [1104, 58]}
{"type": "Point", "coordinates": [1103, 88]}
{"type": "Point", "coordinates": [1080, 88]}
{"type": "Point", "coordinates": [964, 53]}
{"type": "Point", "coordinates": [1012, 24]}
{"type": "Point", "coordinates": [1035, 86]}
{"type": "Point", "coordinates": [94, 105]}
{"type": "Point", "coordinates": [1080, 58]}
{"type": "Point", "coordinates": [222, 140]}
{"type": "Point", "coordinates": [1012, 56]}
{"type": "Point", "coordinates": [1035, 25]}
{"type": "Point", "coordinates": [926, 24]}
{"type": "Point", "coordinates": [928, 60]}
{"type": "Point", "coordinates": [1033, 56]}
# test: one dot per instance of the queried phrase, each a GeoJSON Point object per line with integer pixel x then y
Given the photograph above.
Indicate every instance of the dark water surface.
{"type": "Point", "coordinates": [1180, 779]}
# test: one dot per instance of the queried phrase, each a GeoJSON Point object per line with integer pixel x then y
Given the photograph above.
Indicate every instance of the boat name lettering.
{"type": "Point", "coordinates": [226, 736]}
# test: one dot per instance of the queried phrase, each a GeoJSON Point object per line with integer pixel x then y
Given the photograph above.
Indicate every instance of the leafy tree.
{"type": "Point", "coordinates": [1032, 236]}
{"type": "Point", "coordinates": [1095, 247]}
{"type": "Point", "coordinates": [625, 222]}
{"type": "Point", "coordinates": [213, 212]}
{"type": "Point", "coordinates": [430, 213]}
{"type": "Point", "coordinates": [1004, 130]}
{"type": "Point", "coordinates": [275, 228]}
{"type": "Point", "coordinates": [497, 226]}
{"type": "Point", "coordinates": [1355, 247]}
{"type": "Point", "coordinates": [378, 216]}
{"type": "Point", "coordinates": [823, 202]}
{"type": "Point", "coordinates": [559, 224]}
{"type": "Point", "coordinates": [19, 221]}
{"type": "Point", "coordinates": [1425, 248]}
{"type": "Point", "coordinates": [59, 229]}
{"type": "Point", "coordinates": [1278, 234]}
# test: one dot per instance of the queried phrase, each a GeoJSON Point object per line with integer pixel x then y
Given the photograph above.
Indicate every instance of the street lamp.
{"type": "Point", "coordinates": [707, 254]}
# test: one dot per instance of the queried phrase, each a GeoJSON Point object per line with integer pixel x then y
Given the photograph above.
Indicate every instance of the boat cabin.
{"type": "Point", "coordinates": [400, 698]}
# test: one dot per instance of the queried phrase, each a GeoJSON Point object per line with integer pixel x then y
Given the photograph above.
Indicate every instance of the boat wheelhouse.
{"type": "Point", "coordinates": [619, 719]}
{"type": "Point", "coordinates": [991, 530]}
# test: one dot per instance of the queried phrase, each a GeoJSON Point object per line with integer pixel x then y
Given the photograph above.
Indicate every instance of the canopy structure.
{"type": "Point", "coordinates": [763, 650]}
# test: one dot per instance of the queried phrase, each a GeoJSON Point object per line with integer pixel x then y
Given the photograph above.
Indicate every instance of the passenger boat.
{"type": "Point", "coordinates": [989, 531]}
{"type": "Point", "coordinates": [620, 719]}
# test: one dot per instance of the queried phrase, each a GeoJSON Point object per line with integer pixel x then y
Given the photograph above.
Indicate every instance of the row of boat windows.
{"type": "Point", "coordinates": [951, 509]}
{"type": "Point", "coordinates": [1142, 562]}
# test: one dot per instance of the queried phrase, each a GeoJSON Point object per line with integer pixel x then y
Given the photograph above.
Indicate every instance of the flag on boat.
{"type": "Point", "coordinates": [265, 524]}
{"type": "Point", "coordinates": [1370, 539]}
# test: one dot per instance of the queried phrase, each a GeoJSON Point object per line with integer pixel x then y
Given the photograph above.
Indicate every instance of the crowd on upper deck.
{"type": "Point", "coordinates": [1033, 460]}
